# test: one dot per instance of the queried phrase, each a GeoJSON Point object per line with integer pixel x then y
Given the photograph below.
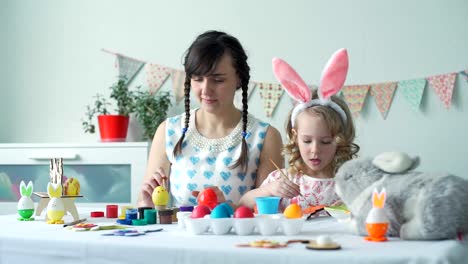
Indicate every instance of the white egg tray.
{"type": "Point", "coordinates": [265, 225]}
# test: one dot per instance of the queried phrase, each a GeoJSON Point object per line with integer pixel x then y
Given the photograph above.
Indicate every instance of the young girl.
{"type": "Point", "coordinates": [320, 131]}
{"type": "Point", "coordinates": [215, 145]}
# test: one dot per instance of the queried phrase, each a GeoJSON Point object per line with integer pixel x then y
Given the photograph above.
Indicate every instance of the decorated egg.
{"type": "Point", "coordinates": [293, 211]}
{"type": "Point", "coordinates": [221, 211]}
{"type": "Point", "coordinates": [243, 212]}
{"type": "Point", "coordinates": [200, 211]}
{"type": "Point", "coordinates": [160, 196]}
{"type": "Point", "coordinates": [229, 208]}
{"type": "Point", "coordinates": [208, 197]}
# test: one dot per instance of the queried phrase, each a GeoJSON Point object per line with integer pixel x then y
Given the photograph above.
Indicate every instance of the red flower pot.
{"type": "Point", "coordinates": [113, 128]}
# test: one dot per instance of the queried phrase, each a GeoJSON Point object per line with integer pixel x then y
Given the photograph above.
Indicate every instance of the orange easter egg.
{"type": "Point", "coordinates": [293, 211]}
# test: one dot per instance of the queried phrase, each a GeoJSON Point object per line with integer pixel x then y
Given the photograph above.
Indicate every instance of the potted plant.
{"type": "Point", "coordinates": [112, 128]}
{"type": "Point", "coordinates": [151, 110]}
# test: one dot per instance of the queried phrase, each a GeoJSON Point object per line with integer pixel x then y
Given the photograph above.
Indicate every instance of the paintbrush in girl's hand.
{"type": "Point", "coordinates": [281, 171]}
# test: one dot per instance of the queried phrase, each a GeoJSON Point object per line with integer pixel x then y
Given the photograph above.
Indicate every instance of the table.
{"type": "Point", "coordinates": [37, 242]}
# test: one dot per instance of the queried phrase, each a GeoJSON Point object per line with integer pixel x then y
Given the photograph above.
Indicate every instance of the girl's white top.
{"type": "Point", "coordinates": [205, 162]}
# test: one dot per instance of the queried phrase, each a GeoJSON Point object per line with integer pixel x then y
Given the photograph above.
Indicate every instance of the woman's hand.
{"type": "Point", "coordinates": [283, 188]}
{"type": "Point", "coordinates": [148, 187]}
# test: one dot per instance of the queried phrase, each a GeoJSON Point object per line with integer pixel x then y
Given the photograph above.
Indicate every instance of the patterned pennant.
{"type": "Point", "coordinates": [178, 80]}
{"type": "Point", "coordinates": [238, 95]}
{"type": "Point", "coordinates": [128, 67]}
{"type": "Point", "coordinates": [311, 87]}
{"type": "Point", "coordinates": [413, 91]}
{"type": "Point", "coordinates": [271, 94]}
{"type": "Point", "coordinates": [383, 93]}
{"type": "Point", "coordinates": [443, 85]}
{"type": "Point", "coordinates": [465, 74]}
{"type": "Point", "coordinates": [355, 95]}
{"type": "Point", "coordinates": [156, 75]}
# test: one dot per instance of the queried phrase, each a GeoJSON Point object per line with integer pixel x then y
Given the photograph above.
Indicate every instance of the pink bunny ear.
{"type": "Point", "coordinates": [291, 81]}
{"type": "Point", "coordinates": [334, 74]}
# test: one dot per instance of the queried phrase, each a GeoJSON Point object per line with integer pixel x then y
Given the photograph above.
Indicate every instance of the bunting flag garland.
{"type": "Point", "coordinates": [156, 75]}
{"type": "Point", "coordinates": [383, 93]}
{"type": "Point", "coordinates": [443, 85]}
{"type": "Point", "coordinates": [128, 67]}
{"type": "Point", "coordinates": [413, 91]}
{"type": "Point", "coordinates": [355, 95]}
{"type": "Point", "coordinates": [465, 74]}
{"type": "Point", "coordinates": [271, 94]}
{"type": "Point", "coordinates": [238, 95]}
{"type": "Point", "coordinates": [178, 80]}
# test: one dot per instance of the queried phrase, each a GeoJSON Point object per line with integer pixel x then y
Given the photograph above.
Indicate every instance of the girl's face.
{"type": "Point", "coordinates": [316, 144]}
{"type": "Point", "coordinates": [216, 90]}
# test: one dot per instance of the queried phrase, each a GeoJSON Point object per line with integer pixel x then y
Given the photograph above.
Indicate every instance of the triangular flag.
{"type": "Point", "coordinates": [156, 75]}
{"type": "Point", "coordinates": [443, 85]}
{"type": "Point", "coordinates": [311, 87]}
{"type": "Point", "coordinates": [383, 93]}
{"type": "Point", "coordinates": [355, 95]}
{"type": "Point", "coordinates": [178, 80]}
{"type": "Point", "coordinates": [465, 74]}
{"type": "Point", "coordinates": [271, 94]}
{"type": "Point", "coordinates": [128, 67]}
{"type": "Point", "coordinates": [238, 94]}
{"type": "Point", "coordinates": [413, 91]}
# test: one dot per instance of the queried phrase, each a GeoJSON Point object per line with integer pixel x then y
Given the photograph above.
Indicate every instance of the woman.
{"type": "Point", "coordinates": [216, 145]}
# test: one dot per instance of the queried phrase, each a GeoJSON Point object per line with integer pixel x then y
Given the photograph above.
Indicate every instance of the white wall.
{"type": "Point", "coordinates": [52, 64]}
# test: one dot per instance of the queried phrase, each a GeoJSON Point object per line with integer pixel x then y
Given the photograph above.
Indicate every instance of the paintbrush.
{"type": "Point", "coordinates": [281, 171]}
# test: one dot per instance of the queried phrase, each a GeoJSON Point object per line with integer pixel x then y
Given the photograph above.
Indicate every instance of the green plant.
{"type": "Point", "coordinates": [123, 97]}
{"type": "Point", "coordinates": [151, 110]}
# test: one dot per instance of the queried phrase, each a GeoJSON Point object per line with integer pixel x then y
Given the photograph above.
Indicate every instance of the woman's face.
{"type": "Point", "coordinates": [216, 90]}
{"type": "Point", "coordinates": [316, 144]}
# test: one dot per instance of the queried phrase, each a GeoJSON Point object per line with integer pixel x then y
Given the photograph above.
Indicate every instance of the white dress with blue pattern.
{"type": "Point", "coordinates": [205, 162]}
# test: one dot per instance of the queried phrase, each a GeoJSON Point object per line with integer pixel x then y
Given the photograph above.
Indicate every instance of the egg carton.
{"type": "Point", "coordinates": [265, 225]}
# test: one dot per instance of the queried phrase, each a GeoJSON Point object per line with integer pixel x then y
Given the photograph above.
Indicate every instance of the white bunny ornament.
{"type": "Point", "coordinates": [55, 207]}
{"type": "Point", "coordinates": [25, 203]}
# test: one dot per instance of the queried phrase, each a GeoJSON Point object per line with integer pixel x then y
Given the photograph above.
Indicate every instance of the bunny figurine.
{"type": "Point", "coordinates": [26, 204]}
{"type": "Point", "coordinates": [419, 205]}
{"type": "Point", "coordinates": [377, 221]}
{"type": "Point", "coordinates": [55, 208]}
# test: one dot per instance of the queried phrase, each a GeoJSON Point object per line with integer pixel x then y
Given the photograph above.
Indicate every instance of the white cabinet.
{"type": "Point", "coordinates": [109, 173]}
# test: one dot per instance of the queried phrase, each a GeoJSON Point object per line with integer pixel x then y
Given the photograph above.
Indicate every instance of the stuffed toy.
{"type": "Point", "coordinates": [419, 205]}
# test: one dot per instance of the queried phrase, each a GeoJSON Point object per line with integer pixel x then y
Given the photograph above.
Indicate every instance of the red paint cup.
{"type": "Point", "coordinates": [112, 211]}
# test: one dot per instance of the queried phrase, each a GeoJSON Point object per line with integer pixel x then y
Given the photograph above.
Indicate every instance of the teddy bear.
{"type": "Point", "coordinates": [419, 205]}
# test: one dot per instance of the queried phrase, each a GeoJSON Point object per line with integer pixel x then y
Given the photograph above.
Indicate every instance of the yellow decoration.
{"type": "Point", "coordinates": [160, 196]}
{"type": "Point", "coordinates": [72, 187]}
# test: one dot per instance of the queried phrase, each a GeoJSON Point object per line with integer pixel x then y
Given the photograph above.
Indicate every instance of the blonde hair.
{"type": "Point", "coordinates": [343, 134]}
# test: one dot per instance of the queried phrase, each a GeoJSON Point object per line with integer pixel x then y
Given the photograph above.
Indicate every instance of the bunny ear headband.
{"type": "Point", "coordinates": [331, 82]}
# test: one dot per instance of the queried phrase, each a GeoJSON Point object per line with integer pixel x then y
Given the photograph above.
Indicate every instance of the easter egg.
{"type": "Point", "coordinates": [160, 196]}
{"type": "Point", "coordinates": [200, 211]}
{"type": "Point", "coordinates": [208, 197]}
{"type": "Point", "coordinates": [221, 211]}
{"type": "Point", "coordinates": [293, 211]}
{"type": "Point", "coordinates": [243, 212]}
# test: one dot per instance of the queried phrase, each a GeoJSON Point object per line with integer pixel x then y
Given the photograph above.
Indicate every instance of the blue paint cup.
{"type": "Point", "coordinates": [267, 205]}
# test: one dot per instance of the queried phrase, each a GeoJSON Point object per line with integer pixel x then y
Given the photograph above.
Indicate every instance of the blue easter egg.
{"type": "Point", "coordinates": [220, 211]}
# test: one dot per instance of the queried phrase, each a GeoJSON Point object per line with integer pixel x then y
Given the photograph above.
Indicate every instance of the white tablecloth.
{"type": "Point", "coordinates": [37, 242]}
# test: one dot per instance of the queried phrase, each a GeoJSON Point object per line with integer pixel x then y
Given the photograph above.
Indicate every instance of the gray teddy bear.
{"type": "Point", "coordinates": [419, 206]}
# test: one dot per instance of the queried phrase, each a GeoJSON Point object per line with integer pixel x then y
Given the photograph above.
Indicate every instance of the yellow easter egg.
{"type": "Point", "coordinates": [293, 211]}
{"type": "Point", "coordinates": [160, 196]}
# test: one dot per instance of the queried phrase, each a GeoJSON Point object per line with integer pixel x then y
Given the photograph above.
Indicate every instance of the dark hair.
{"type": "Point", "coordinates": [201, 58]}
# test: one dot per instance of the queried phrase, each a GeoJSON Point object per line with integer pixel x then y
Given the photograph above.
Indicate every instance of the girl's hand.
{"type": "Point", "coordinates": [283, 188]}
{"type": "Point", "coordinates": [148, 187]}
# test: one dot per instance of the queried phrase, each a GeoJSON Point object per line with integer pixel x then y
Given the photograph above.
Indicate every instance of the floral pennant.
{"type": "Point", "coordinates": [413, 91]}
{"type": "Point", "coordinates": [271, 94]}
{"type": "Point", "coordinates": [383, 93]}
{"type": "Point", "coordinates": [128, 67]}
{"type": "Point", "coordinates": [465, 74]}
{"type": "Point", "coordinates": [156, 75]}
{"type": "Point", "coordinates": [178, 80]}
{"type": "Point", "coordinates": [443, 85]}
{"type": "Point", "coordinates": [238, 95]}
{"type": "Point", "coordinates": [355, 95]}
